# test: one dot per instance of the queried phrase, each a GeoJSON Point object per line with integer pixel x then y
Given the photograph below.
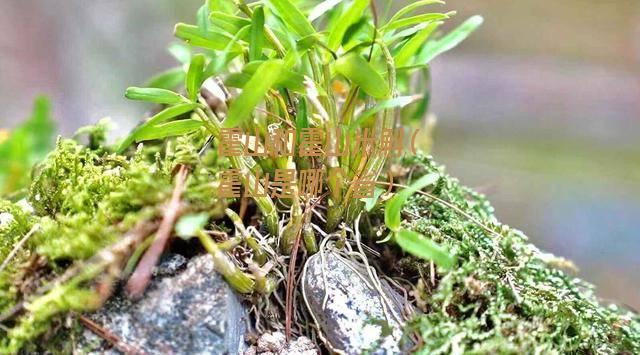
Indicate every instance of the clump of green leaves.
{"type": "Point", "coordinates": [413, 242]}
{"type": "Point", "coordinates": [340, 66]}
{"type": "Point", "coordinates": [285, 59]}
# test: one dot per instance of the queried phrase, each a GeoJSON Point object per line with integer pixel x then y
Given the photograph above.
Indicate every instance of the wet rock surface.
{"type": "Point", "coordinates": [187, 309]}
{"type": "Point", "coordinates": [356, 318]}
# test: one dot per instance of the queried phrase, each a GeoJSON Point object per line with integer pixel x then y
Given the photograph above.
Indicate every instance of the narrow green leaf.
{"type": "Point", "coordinates": [159, 96]}
{"type": "Point", "coordinates": [28, 144]}
{"type": "Point", "coordinates": [391, 37]}
{"type": "Point", "coordinates": [450, 41]}
{"type": "Point", "coordinates": [41, 128]}
{"type": "Point", "coordinates": [202, 17]}
{"type": "Point", "coordinates": [425, 248]}
{"type": "Point", "coordinates": [160, 117]}
{"type": "Point", "coordinates": [302, 120]}
{"type": "Point", "coordinates": [229, 23]}
{"type": "Point", "coordinates": [181, 52]}
{"type": "Point", "coordinates": [264, 78]}
{"type": "Point", "coordinates": [256, 41]}
{"type": "Point", "coordinates": [226, 6]}
{"type": "Point", "coordinates": [196, 37]}
{"type": "Point", "coordinates": [288, 78]}
{"type": "Point", "coordinates": [169, 129]}
{"type": "Point", "coordinates": [392, 217]}
{"type": "Point", "coordinates": [188, 225]}
{"type": "Point", "coordinates": [237, 80]}
{"type": "Point", "coordinates": [167, 80]}
{"type": "Point", "coordinates": [322, 8]}
{"type": "Point", "coordinates": [351, 16]}
{"type": "Point", "coordinates": [362, 73]}
{"type": "Point", "coordinates": [293, 17]}
{"type": "Point", "coordinates": [370, 203]}
{"type": "Point", "coordinates": [416, 20]}
{"type": "Point", "coordinates": [396, 102]}
{"type": "Point", "coordinates": [220, 62]}
{"type": "Point", "coordinates": [412, 7]}
{"type": "Point", "coordinates": [195, 76]}
{"type": "Point", "coordinates": [413, 45]}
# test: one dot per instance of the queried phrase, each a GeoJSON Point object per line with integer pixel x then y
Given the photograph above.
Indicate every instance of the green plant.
{"type": "Point", "coordinates": [28, 144]}
{"type": "Point", "coordinates": [267, 49]}
{"type": "Point", "coordinates": [104, 213]}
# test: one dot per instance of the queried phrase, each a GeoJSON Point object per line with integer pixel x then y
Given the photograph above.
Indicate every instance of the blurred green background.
{"type": "Point", "coordinates": [540, 109]}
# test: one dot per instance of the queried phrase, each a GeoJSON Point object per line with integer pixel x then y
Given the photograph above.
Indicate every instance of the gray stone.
{"type": "Point", "coordinates": [356, 318]}
{"type": "Point", "coordinates": [170, 265]}
{"type": "Point", "coordinates": [275, 343]}
{"type": "Point", "coordinates": [193, 312]}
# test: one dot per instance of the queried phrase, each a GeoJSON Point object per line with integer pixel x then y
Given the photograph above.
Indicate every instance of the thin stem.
{"type": "Point", "coordinates": [142, 275]}
{"type": "Point", "coordinates": [265, 203]}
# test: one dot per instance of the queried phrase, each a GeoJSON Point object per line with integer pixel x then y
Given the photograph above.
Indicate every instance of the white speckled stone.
{"type": "Point", "coordinates": [354, 320]}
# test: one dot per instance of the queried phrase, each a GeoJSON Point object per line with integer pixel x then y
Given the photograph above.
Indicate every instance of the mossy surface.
{"type": "Point", "coordinates": [92, 212]}
{"type": "Point", "coordinates": [505, 295]}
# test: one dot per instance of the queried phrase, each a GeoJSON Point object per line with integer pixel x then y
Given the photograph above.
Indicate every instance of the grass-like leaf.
{"type": "Point", "coordinates": [404, 22]}
{"type": "Point", "coordinates": [160, 117]}
{"type": "Point", "coordinates": [357, 69]}
{"type": "Point", "coordinates": [418, 245]}
{"type": "Point", "coordinates": [262, 80]}
{"type": "Point", "coordinates": [322, 8]}
{"type": "Point", "coordinates": [169, 129]}
{"type": "Point", "coordinates": [351, 16]}
{"type": "Point", "coordinates": [370, 203]}
{"type": "Point", "coordinates": [195, 76]}
{"type": "Point", "coordinates": [414, 44]}
{"type": "Point", "coordinates": [195, 36]}
{"type": "Point", "coordinates": [293, 17]}
{"type": "Point", "coordinates": [288, 79]}
{"type": "Point", "coordinates": [220, 61]}
{"type": "Point", "coordinates": [27, 144]}
{"type": "Point", "coordinates": [448, 42]}
{"type": "Point", "coordinates": [229, 23]}
{"type": "Point", "coordinates": [155, 95]}
{"type": "Point", "coordinates": [392, 217]}
{"type": "Point", "coordinates": [396, 102]}
{"type": "Point", "coordinates": [181, 52]}
{"type": "Point", "coordinates": [188, 225]}
{"type": "Point", "coordinates": [412, 7]}
{"type": "Point", "coordinates": [256, 41]}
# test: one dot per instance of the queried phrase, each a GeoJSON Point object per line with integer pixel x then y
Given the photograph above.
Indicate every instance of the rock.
{"type": "Point", "coordinates": [193, 312]}
{"type": "Point", "coordinates": [170, 265]}
{"type": "Point", "coordinates": [275, 343]}
{"type": "Point", "coordinates": [354, 320]}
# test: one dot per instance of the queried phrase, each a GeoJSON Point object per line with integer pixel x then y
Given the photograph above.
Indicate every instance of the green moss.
{"type": "Point", "coordinates": [505, 295]}
{"type": "Point", "coordinates": [14, 224]}
{"type": "Point", "coordinates": [85, 199]}
{"type": "Point", "coordinates": [88, 198]}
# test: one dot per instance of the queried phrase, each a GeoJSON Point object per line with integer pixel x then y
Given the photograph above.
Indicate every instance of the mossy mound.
{"type": "Point", "coordinates": [504, 295]}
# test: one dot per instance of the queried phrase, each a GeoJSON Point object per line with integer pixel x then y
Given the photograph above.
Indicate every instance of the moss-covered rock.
{"type": "Point", "coordinates": [505, 295]}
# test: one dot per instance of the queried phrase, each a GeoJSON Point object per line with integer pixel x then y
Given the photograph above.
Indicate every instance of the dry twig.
{"type": "Point", "coordinates": [142, 275]}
